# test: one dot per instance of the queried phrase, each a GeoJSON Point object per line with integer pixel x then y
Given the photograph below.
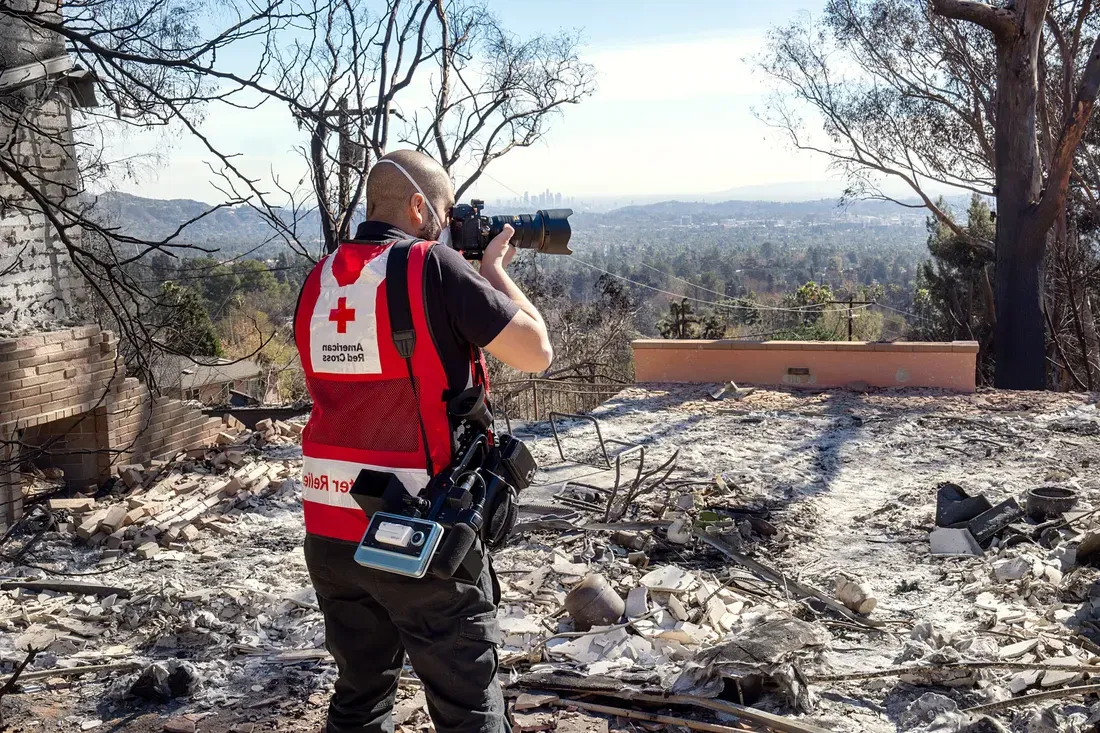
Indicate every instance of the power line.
{"type": "Point", "coordinates": [686, 282]}
{"type": "Point", "coordinates": [501, 183]}
{"type": "Point", "coordinates": [734, 306]}
{"type": "Point", "coordinates": [898, 310]}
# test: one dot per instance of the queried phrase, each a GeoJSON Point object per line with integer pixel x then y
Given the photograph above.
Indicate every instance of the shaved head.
{"type": "Point", "coordinates": [390, 194]}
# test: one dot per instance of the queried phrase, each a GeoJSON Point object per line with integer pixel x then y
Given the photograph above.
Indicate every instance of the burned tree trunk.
{"type": "Point", "coordinates": [1026, 205]}
{"type": "Point", "coordinates": [1020, 332]}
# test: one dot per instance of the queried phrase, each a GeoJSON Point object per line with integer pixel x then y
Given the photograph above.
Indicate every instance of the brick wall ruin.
{"type": "Point", "coordinates": [66, 402]}
{"type": "Point", "coordinates": [39, 285]}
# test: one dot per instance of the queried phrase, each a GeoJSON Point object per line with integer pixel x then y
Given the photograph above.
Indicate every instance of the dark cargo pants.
{"type": "Point", "coordinates": [372, 619]}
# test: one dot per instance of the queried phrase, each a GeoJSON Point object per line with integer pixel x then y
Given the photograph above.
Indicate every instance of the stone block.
{"type": "Point", "coordinates": [78, 504]}
{"type": "Point", "coordinates": [132, 478]}
{"type": "Point", "coordinates": [148, 550]}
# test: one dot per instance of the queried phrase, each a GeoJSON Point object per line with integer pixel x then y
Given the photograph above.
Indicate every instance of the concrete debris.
{"type": "Point", "coordinates": [677, 609]}
{"type": "Point", "coordinates": [629, 540]}
{"type": "Point", "coordinates": [1014, 651]}
{"type": "Point", "coordinates": [1024, 680]}
{"type": "Point", "coordinates": [856, 594]}
{"type": "Point", "coordinates": [530, 702]}
{"type": "Point", "coordinates": [1014, 569]}
{"type": "Point", "coordinates": [409, 707]}
{"type": "Point", "coordinates": [953, 542]}
{"type": "Point", "coordinates": [679, 531]}
{"type": "Point", "coordinates": [637, 602]}
{"type": "Point", "coordinates": [668, 579]}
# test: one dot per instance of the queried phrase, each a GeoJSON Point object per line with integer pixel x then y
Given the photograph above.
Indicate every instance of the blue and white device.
{"type": "Point", "coordinates": [399, 544]}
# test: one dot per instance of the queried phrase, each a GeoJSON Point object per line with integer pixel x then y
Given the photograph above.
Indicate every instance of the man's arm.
{"type": "Point", "coordinates": [524, 343]}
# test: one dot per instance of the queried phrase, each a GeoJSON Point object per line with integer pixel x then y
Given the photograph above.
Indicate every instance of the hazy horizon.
{"type": "Point", "coordinates": [672, 114]}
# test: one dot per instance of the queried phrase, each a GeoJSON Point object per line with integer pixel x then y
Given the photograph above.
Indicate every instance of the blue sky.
{"type": "Point", "coordinates": [672, 114]}
{"type": "Point", "coordinates": [619, 22]}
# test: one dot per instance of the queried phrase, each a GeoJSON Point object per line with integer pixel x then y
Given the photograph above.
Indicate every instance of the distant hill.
{"type": "Point", "coordinates": [239, 228]}
{"type": "Point", "coordinates": [818, 210]}
{"type": "Point", "coordinates": [230, 229]}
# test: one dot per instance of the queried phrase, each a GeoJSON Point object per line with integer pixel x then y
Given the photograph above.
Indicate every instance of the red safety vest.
{"type": "Point", "coordinates": [364, 404]}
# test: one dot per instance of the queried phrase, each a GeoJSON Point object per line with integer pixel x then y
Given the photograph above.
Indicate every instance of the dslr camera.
{"type": "Point", "coordinates": [546, 231]}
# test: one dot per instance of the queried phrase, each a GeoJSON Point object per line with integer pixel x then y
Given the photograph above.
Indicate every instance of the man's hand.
{"type": "Point", "coordinates": [500, 252]}
{"type": "Point", "coordinates": [524, 343]}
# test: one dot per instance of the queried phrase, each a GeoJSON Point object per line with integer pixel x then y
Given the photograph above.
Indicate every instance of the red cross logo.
{"type": "Point", "coordinates": [342, 314]}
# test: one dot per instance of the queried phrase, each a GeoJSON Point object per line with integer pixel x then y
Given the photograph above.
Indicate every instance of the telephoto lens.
{"type": "Point", "coordinates": [546, 230]}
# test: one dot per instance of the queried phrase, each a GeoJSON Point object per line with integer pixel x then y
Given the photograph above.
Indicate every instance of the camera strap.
{"type": "Point", "coordinates": [401, 325]}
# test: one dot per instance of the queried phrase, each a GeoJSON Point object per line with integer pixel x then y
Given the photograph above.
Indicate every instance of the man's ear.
{"type": "Point", "coordinates": [416, 203]}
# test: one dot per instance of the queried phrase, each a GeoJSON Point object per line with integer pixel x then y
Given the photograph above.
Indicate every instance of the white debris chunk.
{"type": "Point", "coordinates": [1019, 649]}
{"type": "Point", "coordinates": [679, 532]}
{"type": "Point", "coordinates": [637, 602]}
{"type": "Point", "coordinates": [945, 542]}
{"type": "Point", "coordinates": [715, 611]}
{"type": "Point", "coordinates": [1024, 680]}
{"type": "Point", "coordinates": [669, 579]}
{"type": "Point", "coordinates": [1057, 678]}
{"type": "Point", "coordinates": [685, 632]}
{"type": "Point", "coordinates": [676, 608]}
{"type": "Point", "coordinates": [591, 648]}
{"type": "Point", "coordinates": [855, 593]}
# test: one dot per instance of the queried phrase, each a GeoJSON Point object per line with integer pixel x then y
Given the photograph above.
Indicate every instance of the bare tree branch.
{"type": "Point", "coordinates": [999, 21]}
{"type": "Point", "coordinates": [1072, 132]}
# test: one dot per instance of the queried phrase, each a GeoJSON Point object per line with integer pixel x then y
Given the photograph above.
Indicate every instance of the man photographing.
{"type": "Point", "coordinates": [380, 403]}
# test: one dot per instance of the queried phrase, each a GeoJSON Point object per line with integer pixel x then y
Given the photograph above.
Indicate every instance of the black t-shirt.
{"type": "Point", "coordinates": [463, 308]}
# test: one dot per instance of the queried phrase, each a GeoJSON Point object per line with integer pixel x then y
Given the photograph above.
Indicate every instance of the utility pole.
{"type": "Point", "coordinates": [851, 300]}
{"type": "Point", "coordinates": [851, 303]}
{"type": "Point", "coordinates": [350, 154]}
{"type": "Point", "coordinates": [344, 155]}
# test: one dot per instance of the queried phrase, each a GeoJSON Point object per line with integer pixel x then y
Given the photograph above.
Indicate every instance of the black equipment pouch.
{"type": "Point", "coordinates": [510, 471]}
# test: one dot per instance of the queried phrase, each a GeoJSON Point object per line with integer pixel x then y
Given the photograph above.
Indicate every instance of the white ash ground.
{"type": "Point", "coordinates": [853, 478]}
{"type": "Point", "coordinates": [851, 482]}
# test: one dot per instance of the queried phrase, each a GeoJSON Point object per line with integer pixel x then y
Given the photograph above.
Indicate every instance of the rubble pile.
{"type": "Point", "coordinates": [172, 502]}
{"type": "Point", "coordinates": [739, 559]}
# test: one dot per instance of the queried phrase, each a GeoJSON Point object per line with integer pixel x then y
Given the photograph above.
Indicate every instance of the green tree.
{"type": "Point", "coordinates": [162, 267]}
{"type": "Point", "coordinates": [216, 281]}
{"type": "Point", "coordinates": [184, 326]}
{"type": "Point", "coordinates": [743, 311]}
{"type": "Point", "coordinates": [809, 297]}
{"type": "Point", "coordinates": [681, 322]}
{"type": "Point", "coordinates": [253, 276]}
{"type": "Point", "coordinates": [953, 296]}
{"type": "Point", "coordinates": [713, 326]}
